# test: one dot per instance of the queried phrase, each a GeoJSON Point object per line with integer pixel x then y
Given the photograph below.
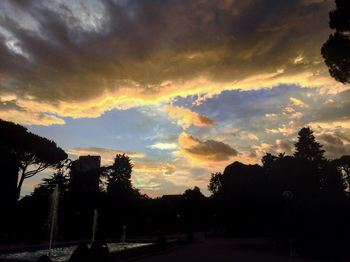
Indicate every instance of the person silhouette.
{"type": "Point", "coordinates": [81, 253]}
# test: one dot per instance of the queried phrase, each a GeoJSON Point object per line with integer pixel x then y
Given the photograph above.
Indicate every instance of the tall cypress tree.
{"type": "Point", "coordinates": [307, 147]}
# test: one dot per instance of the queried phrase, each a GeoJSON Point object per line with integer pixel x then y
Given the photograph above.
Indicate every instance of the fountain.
{"type": "Point", "coordinates": [124, 234]}
{"type": "Point", "coordinates": [94, 227]}
{"type": "Point", "coordinates": [53, 216]}
{"type": "Point", "coordinates": [96, 250]}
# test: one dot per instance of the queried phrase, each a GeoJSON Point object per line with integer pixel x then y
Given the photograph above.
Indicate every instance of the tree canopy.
{"type": "Point", "coordinates": [215, 183]}
{"type": "Point", "coordinates": [30, 153]}
{"type": "Point", "coordinates": [119, 176]}
{"type": "Point", "coordinates": [336, 50]}
{"type": "Point", "coordinates": [307, 147]}
{"type": "Point", "coordinates": [47, 186]}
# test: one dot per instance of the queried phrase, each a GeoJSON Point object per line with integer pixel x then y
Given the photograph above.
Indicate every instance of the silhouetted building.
{"type": "Point", "coordinates": [85, 174]}
{"type": "Point", "coordinates": [84, 189]}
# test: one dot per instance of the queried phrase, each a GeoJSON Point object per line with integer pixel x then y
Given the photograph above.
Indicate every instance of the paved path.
{"type": "Point", "coordinates": [223, 249]}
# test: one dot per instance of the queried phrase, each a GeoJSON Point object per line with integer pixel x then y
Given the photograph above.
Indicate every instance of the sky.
{"type": "Point", "coordinates": [184, 87]}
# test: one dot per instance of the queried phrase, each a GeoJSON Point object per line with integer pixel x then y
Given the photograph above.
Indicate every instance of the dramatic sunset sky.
{"type": "Point", "coordinates": [184, 87]}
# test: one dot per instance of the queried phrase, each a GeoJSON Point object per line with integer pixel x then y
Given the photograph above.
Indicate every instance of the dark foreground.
{"type": "Point", "coordinates": [223, 249]}
{"type": "Point", "coordinates": [210, 249]}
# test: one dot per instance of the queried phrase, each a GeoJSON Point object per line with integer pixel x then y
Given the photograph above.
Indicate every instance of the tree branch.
{"type": "Point", "coordinates": [34, 172]}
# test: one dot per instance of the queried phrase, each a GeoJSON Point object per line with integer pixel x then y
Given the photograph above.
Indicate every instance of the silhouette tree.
{"type": "Point", "coordinates": [297, 175]}
{"type": "Point", "coordinates": [336, 51]}
{"type": "Point", "coordinates": [333, 179]}
{"type": "Point", "coordinates": [47, 186]}
{"type": "Point", "coordinates": [215, 183]}
{"type": "Point", "coordinates": [242, 180]}
{"type": "Point", "coordinates": [119, 174]}
{"type": "Point", "coordinates": [194, 210]}
{"type": "Point", "coordinates": [343, 167]}
{"type": "Point", "coordinates": [268, 161]}
{"type": "Point", "coordinates": [26, 153]}
{"type": "Point", "coordinates": [194, 194]}
{"type": "Point", "coordinates": [307, 147]}
{"type": "Point", "coordinates": [120, 195]}
{"type": "Point", "coordinates": [36, 208]}
{"type": "Point", "coordinates": [238, 196]}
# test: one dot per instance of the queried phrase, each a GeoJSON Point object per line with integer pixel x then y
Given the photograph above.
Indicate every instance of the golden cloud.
{"type": "Point", "coordinates": [205, 151]}
{"type": "Point", "coordinates": [30, 118]}
{"type": "Point", "coordinates": [297, 102]}
{"type": "Point", "coordinates": [331, 124]}
{"type": "Point", "coordinates": [252, 136]}
{"type": "Point", "coordinates": [284, 129]}
{"type": "Point", "coordinates": [74, 67]}
{"type": "Point", "coordinates": [296, 115]}
{"type": "Point", "coordinates": [187, 118]}
{"type": "Point", "coordinates": [128, 97]}
{"type": "Point", "coordinates": [107, 155]}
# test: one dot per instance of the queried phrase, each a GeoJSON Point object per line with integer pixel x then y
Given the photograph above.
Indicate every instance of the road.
{"type": "Point", "coordinates": [221, 250]}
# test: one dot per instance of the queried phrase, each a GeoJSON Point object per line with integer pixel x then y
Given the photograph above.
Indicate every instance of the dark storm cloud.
{"type": "Point", "coordinates": [74, 50]}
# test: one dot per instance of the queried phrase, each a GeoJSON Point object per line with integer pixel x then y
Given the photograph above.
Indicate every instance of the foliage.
{"type": "Point", "coordinates": [268, 161]}
{"type": "Point", "coordinates": [307, 148]}
{"type": "Point", "coordinates": [342, 166]}
{"type": "Point", "coordinates": [336, 51]}
{"type": "Point", "coordinates": [194, 210]}
{"type": "Point", "coordinates": [333, 182]}
{"type": "Point", "coordinates": [30, 152]}
{"type": "Point", "coordinates": [194, 194]}
{"type": "Point", "coordinates": [297, 175]}
{"type": "Point", "coordinates": [47, 186]}
{"type": "Point", "coordinates": [215, 183]}
{"type": "Point", "coordinates": [119, 172]}
{"type": "Point", "coordinates": [249, 198]}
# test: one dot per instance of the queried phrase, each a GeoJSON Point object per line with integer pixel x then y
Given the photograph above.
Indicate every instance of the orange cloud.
{"type": "Point", "coordinates": [252, 136]}
{"type": "Point", "coordinates": [30, 118]}
{"type": "Point", "coordinates": [133, 95]}
{"type": "Point", "coordinates": [204, 151]}
{"type": "Point", "coordinates": [292, 114]}
{"type": "Point", "coordinates": [187, 118]}
{"type": "Point", "coordinates": [107, 155]}
{"type": "Point", "coordinates": [297, 102]}
{"type": "Point", "coordinates": [168, 56]}
{"type": "Point", "coordinates": [331, 124]}
{"type": "Point", "coordinates": [286, 130]}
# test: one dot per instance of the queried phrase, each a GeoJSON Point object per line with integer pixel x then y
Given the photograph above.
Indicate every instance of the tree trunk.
{"type": "Point", "coordinates": [19, 186]}
{"type": "Point", "coordinates": [8, 194]}
{"type": "Point", "coordinates": [8, 182]}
